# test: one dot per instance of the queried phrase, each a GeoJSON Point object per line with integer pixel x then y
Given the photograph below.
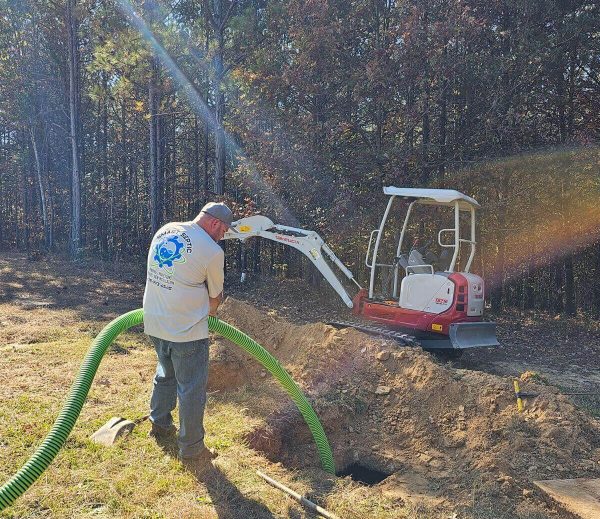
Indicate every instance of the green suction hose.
{"type": "Point", "coordinates": [65, 422]}
{"type": "Point", "coordinates": [271, 363]}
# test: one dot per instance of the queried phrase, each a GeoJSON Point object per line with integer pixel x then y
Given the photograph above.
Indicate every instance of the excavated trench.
{"type": "Point", "coordinates": [286, 439]}
{"type": "Point", "coordinates": [306, 354]}
{"type": "Point", "coordinates": [398, 419]}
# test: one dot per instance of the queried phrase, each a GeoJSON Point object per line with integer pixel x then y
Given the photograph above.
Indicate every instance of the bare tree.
{"type": "Point", "coordinates": [153, 107]}
{"type": "Point", "coordinates": [39, 176]}
{"type": "Point", "coordinates": [219, 13]}
{"type": "Point", "coordinates": [74, 129]}
{"type": "Point", "coordinates": [153, 101]}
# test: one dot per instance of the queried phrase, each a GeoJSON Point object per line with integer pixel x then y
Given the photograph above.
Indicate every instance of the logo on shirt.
{"type": "Point", "coordinates": [167, 252]}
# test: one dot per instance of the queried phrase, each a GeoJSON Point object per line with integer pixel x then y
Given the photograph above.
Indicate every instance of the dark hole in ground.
{"type": "Point", "coordinates": [363, 474]}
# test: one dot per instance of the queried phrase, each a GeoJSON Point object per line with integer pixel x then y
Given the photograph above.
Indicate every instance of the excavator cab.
{"type": "Point", "coordinates": [422, 292]}
{"type": "Point", "coordinates": [417, 257]}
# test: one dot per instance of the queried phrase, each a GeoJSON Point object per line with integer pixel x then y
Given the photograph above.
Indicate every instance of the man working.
{"type": "Point", "coordinates": [184, 285]}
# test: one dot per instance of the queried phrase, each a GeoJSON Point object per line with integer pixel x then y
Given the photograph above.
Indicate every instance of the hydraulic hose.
{"type": "Point", "coordinates": [65, 422]}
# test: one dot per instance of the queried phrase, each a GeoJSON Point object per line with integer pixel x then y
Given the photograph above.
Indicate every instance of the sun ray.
{"type": "Point", "coordinates": [199, 107]}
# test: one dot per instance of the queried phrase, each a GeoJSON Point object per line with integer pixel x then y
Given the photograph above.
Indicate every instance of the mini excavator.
{"type": "Point", "coordinates": [415, 296]}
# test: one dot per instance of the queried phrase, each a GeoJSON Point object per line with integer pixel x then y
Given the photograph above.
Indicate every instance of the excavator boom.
{"type": "Point", "coordinates": [308, 243]}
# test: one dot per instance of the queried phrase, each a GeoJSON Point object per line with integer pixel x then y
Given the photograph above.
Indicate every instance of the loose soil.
{"type": "Point", "coordinates": [563, 351]}
{"type": "Point", "coordinates": [442, 432]}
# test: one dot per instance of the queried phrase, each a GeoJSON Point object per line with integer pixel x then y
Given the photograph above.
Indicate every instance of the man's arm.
{"type": "Point", "coordinates": [213, 304]}
{"type": "Point", "coordinates": [214, 282]}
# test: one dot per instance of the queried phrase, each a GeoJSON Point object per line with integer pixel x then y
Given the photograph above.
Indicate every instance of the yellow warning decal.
{"type": "Point", "coordinates": [244, 228]}
{"type": "Point", "coordinates": [437, 327]}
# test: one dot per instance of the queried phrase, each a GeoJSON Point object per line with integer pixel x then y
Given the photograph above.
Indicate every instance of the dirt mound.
{"type": "Point", "coordinates": [312, 353]}
{"type": "Point", "coordinates": [438, 430]}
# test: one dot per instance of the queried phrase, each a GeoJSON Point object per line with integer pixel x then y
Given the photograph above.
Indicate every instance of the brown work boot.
{"type": "Point", "coordinates": [162, 433]}
{"type": "Point", "coordinates": [200, 465]}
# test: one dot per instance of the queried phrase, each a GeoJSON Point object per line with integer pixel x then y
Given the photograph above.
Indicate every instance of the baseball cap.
{"type": "Point", "coordinates": [220, 211]}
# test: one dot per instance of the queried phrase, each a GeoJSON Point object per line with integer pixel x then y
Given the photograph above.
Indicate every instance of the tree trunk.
{"type": "Point", "coordinates": [570, 123]}
{"type": "Point", "coordinates": [154, 154]}
{"type": "Point", "coordinates": [206, 127]}
{"type": "Point", "coordinates": [196, 168]}
{"type": "Point", "coordinates": [219, 16]}
{"type": "Point", "coordinates": [596, 283]}
{"type": "Point", "coordinates": [26, 213]}
{"type": "Point", "coordinates": [3, 211]}
{"type": "Point", "coordinates": [39, 176]}
{"type": "Point", "coordinates": [443, 120]}
{"type": "Point", "coordinates": [497, 293]}
{"type": "Point", "coordinates": [570, 306]}
{"type": "Point", "coordinates": [220, 110]}
{"type": "Point", "coordinates": [256, 251]}
{"type": "Point", "coordinates": [529, 286]}
{"type": "Point", "coordinates": [124, 221]}
{"type": "Point", "coordinates": [108, 178]}
{"type": "Point", "coordinates": [557, 292]}
{"type": "Point", "coordinates": [426, 138]}
{"type": "Point", "coordinates": [74, 135]}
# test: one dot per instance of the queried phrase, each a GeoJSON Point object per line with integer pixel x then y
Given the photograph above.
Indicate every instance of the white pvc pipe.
{"type": "Point", "coordinates": [301, 499]}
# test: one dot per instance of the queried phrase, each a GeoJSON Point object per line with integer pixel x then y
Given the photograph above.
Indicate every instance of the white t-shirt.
{"type": "Point", "coordinates": [185, 267]}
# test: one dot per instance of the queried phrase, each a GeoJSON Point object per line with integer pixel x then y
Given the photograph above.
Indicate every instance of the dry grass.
{"type": "Point", "coordinates": [45, 330]}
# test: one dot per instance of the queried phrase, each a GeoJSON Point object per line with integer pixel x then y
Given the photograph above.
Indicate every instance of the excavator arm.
{"type": "Point", "coordinates": [308, 243]}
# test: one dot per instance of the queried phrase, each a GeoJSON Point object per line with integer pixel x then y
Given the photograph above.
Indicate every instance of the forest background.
{"type": "Point", "coordinates": [117, 117]}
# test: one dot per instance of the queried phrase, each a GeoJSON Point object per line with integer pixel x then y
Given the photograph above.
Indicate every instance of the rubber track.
{"type": "Point", "coordinates": [402, 338]}
{"type": "Point", "coordinates": [65, 422]}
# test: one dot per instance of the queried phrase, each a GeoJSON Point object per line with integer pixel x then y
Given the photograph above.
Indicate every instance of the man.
{"type": "Point", "coordinates": [184, 286]}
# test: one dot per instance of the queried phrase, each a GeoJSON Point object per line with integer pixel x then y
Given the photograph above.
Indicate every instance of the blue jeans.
{"type": "Point", "coordinates": [182, 373]}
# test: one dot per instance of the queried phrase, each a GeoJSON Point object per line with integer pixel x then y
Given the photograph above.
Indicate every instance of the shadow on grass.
{"type": "Point", "coordinates": [168, 444]}
{"type": "Point", "coordinates": [94, 289]}
{"type": "Point", "coordinates": [229, 502]}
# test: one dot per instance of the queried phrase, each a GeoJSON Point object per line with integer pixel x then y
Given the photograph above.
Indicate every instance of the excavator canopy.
{"type": "Point", "coordinates": [434, 196]}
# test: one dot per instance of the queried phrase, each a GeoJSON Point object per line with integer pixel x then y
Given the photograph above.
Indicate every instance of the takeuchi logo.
{"type": "Point", "coordinates": [169, 251]}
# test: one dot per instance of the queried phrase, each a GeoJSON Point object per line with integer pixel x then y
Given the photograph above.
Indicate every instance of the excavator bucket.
{"type": "Point", "coordinates": [473, 335]}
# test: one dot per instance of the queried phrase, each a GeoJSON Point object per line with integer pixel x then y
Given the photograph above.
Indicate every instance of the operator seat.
{"type": "Point", "coordinates": [417, 263]}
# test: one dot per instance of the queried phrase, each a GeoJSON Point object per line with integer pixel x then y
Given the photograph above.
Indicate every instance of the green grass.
{"type": "Point", "coordinates": [136, 477]}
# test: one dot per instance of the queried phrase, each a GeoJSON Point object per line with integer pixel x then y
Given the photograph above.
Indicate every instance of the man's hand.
{"type": "Point", "coordinates": [213, 304]}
